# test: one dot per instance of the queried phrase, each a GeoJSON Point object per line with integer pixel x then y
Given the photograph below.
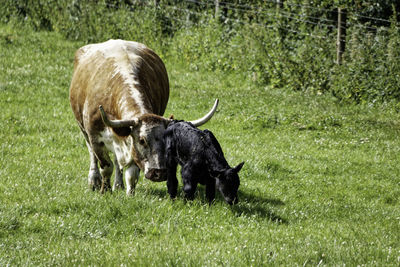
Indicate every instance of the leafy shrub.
{"type": "Point", "coordinates": [370, 71]}
{"type": "Point", "coordinates": [91, 21]}
{"type": "Point", "coordinates": [204, 46]}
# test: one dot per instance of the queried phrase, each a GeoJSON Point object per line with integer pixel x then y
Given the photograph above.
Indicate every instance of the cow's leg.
{"type": "Point", "coordinates": [118, 182]}
{"type": "Point", "coordinates": [131, 178]}
{"type": "Point", "coordinates": [189, 181]}
{"type": "Point", "coordinates": [106, 165]}
{"type": "Point", "coordinates": [172, 182]}
{"type": "Point", "coordinates": [106, 171]}
{"type": "Point", "coordinates": [94, 177]}
{"type": "Point", "coordinates": [210, 189]}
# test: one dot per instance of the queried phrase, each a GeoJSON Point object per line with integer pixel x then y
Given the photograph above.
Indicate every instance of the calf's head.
{"type": "Point", "coordinates": [228, 182]}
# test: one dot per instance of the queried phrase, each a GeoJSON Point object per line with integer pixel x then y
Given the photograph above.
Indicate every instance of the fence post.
{"type": "Point", "coordinates": [216, 2]}
{"type": "Point", "coordinates": [279, 4]}
{"type": "Point", "coordinates": [341, 36]}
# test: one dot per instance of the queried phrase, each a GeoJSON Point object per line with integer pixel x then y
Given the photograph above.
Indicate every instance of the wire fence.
{"type": "Point", "coordinates": [263, 10]}
{"type": "Point", "coordinates": [292, 46]}
{"type": "Point", "coordinates": [278, 18]}
{"type": "Point", "coordinates": [258, 10]}
{"type": "Point", "coordinates": [269, 16]}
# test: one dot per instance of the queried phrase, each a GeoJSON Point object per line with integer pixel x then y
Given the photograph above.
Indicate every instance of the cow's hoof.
{"type": "Point", "coordinates": [94, 181]}
{"type": "Point", "coordinates": [105, 188]}
{"type": "Point", "coordinates": [130, 193]}
{"type": "Point", "coordinates": [118, 187]}
{"type": "Point", "coordinates": [94, 187]}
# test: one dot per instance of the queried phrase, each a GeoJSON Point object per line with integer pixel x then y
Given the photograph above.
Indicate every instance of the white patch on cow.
{"type": "Point", "coordinates": [121, 147]}
{"type": "Point", "coordinates": [127, 111]}
{"type": "Point", "coordinates": [126, 67]}
{"type": "Point", "coordinates": [85, 113]}
{"type": "Point", "coordinates": [149, 163]}
{"type": "Point", "coordinates": [147, 167]}
{"type": "Point", "coordinates": [152, 161]}
{"type": "Point", "coordinates": [94, 177]}
{"type": "Point", "coordinates": [125, 64]}
{"type": "Point", "coordinates": [131, 178]}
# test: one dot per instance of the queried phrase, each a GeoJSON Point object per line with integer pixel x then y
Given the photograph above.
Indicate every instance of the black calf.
{"type": "Point", "coordinates": [202, 161]}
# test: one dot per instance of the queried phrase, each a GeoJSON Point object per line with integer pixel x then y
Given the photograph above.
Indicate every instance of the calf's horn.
{"type": "Point", "coordinates": [206, 117]}
{"type": "Point", "coordinates": [115, 123]}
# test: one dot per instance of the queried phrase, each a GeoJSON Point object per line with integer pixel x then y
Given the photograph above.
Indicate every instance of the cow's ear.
{"type": "Point", "coordinates": [123, 131]}
{"type": "Point", "coordinates": [239, 167]}
{"type": "Point", "coordinates": [128, 130]}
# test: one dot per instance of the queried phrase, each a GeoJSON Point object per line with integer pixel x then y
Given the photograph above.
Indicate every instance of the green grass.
{"type": "Point", "coordinates": [321, 182]}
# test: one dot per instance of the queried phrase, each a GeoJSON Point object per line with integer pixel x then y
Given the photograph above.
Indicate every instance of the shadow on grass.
{"type": "Point", "coordinates": [249, 204]}
{"type": "Point", "coordinates": [160, 193]}
{"type": "Point", "coordinates": [253, 205]}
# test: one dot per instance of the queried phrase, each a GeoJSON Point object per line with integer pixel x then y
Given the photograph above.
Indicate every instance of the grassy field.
{"type": "Point", "coordinates": [320, 186]}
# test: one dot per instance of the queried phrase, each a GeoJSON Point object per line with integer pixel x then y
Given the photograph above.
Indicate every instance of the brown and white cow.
{"type": "Point", "coordinates": [119, 92]}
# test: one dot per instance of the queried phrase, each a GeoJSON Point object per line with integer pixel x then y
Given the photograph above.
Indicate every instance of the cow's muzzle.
{"type": "Point", "coordinates": [156, 175]}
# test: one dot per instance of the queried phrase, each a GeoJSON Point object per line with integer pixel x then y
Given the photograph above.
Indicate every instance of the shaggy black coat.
{"type": "Point", "coordinates": [202, 161]}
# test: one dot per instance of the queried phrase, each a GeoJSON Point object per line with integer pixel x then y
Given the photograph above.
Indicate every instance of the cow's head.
{"type": "Point", "coordinates": [228, 183]}
{"type": "Point", "coordinates": [149, 146]}
{"type": "Point", "coordinates": [147, 133]}
{"type": "Point", "coordinates": [147, 142]}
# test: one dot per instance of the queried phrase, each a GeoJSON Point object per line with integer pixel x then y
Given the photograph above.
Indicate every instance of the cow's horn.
{"type": "Point", "coordinates": [115, 123]}
{"type": "Point", "coordinates": [207, 117]}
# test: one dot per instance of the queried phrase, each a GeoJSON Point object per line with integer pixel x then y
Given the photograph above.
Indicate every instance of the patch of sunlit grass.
{"type": "Point", "coordinates": [320, 184]}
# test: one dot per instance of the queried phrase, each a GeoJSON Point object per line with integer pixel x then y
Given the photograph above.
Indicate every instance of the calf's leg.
{"type": "Point", "coordinates": [172, 181]}
{"type": "Point", "coordinates": [210, 190]}
{"type": "Point", "coordinates": [189, 182]}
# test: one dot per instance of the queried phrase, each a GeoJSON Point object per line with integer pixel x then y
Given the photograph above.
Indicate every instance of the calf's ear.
{"type": "Point", "coordinates": [239, 167]}
{"type": "Point", "coordinates": [168, 121]}
{"type": "Point", "coordinates": [218, 174]}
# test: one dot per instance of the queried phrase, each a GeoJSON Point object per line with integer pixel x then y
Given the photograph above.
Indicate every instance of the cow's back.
{"type": "Point", "coordinates": [126, 78]}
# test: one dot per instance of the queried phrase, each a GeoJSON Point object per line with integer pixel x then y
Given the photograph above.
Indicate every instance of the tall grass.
{"type": "Point", "coordinates": [320, 185]}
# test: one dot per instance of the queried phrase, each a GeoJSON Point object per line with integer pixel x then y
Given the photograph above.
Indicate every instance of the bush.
{"type": "Point", "coordinates": [371, 68]}
{"type": "Point", "coordinates": [90, 21]}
